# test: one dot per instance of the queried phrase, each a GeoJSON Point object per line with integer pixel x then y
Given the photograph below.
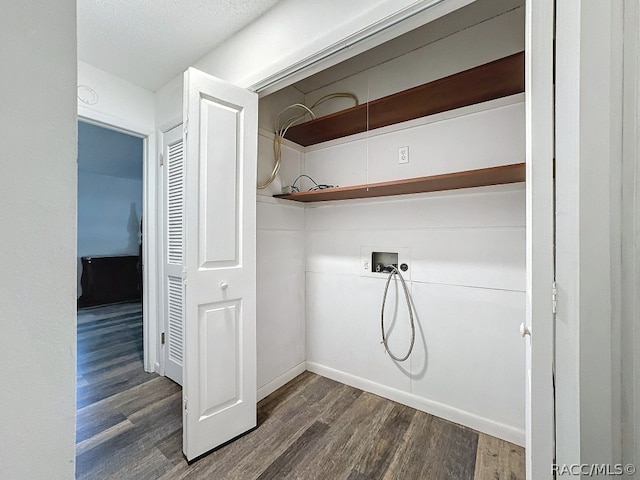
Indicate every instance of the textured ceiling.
{"type": "Point", "coordinates": [150, 42]}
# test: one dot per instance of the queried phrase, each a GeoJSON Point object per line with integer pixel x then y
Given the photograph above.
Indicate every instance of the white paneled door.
{"type": "Point", "coordinates": [220, 138]}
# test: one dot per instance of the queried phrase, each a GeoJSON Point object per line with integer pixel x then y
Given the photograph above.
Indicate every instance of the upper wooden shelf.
{"type": "Point", "coordinates": [482, 177]}
{"type": "Point", "coordinates": [496, 79]}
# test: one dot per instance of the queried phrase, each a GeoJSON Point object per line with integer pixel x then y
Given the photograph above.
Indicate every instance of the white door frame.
{"type": "Point", "coordinates": [539, 414]}
{"type": "Point", "coordinates": [630, 329]}
{"type": "Point", "coordinates": [588, 176]}
{"type": "Point", "coordinates": [150, 297]}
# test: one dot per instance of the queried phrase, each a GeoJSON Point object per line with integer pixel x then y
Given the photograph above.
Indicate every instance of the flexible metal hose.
{"type": "Point", "coordinates": [395, 271]}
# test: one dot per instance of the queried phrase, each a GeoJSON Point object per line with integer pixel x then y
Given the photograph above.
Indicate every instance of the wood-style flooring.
{"type": "Point", "coordinates": [129, 425]}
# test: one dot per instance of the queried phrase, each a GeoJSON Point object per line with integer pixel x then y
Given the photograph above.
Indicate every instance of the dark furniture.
{"type": "Point", "coordinates": [110, 279]}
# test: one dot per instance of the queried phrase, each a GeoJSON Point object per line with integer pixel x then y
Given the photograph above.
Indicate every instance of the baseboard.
{"type": "Point", "coordinates": [281, 380]}
{"type": "Point", "coordinates": [471, 420]}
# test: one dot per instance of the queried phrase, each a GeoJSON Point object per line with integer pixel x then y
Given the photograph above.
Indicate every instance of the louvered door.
{"type": "Point", "coordinates": [174, 172]}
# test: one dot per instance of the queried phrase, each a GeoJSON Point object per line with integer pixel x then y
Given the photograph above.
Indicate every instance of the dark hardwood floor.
{"type": "Point", "coordinates": [129, 425]}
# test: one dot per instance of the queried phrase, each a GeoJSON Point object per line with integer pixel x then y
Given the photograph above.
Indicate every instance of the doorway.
{"type": "Point", "coordinates": [109, 251]}
{"type": "Point", "coordinates": [110, 187]}
{"type": "Point", "coordinates": [110, 290]}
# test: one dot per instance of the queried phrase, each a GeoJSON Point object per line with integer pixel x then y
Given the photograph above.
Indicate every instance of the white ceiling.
{"type": "Point", "coordinates": [150, 42]}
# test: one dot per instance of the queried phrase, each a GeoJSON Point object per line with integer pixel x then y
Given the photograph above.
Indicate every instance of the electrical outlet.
{"type": "Point", "coordinates": [403, 155]}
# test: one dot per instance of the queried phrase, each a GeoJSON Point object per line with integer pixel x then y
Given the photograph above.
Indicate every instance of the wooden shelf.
{"type": "Point", "coordinates": [449, 181]}
{"type": "Point", "coordinates": [490, 81]}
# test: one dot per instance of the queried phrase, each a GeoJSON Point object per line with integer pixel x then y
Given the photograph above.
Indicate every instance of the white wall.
{"type": "Point", "coordinates": [274, 42]}
{"type": "Point", "coordinates": [118, 103]}
{"type": "Point", "coordinates": [37, 193]}
{"type": "Point", "coordinates": [291, 154]}
{"type": "Point", "coordinates": [476, 45]}
{"type": "Point", "coordinates": [109, 212]}
{"type": "Point", "coordinates": [467, 273]}
{"type": "Point", "coordinates": [295, 30]}
{"type": "Point", "coordinates": [110, 100]}
{"type": "Point", "coordinates": [487, 135]}
{"type": "Point", "coordinates": [466, 270]}
{"type": "Point", "coordinates": [168, 105]}
{"type": "Point", "coordinates": [280, 318]}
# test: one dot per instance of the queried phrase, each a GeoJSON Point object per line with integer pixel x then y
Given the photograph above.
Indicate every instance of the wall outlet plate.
{"type": "Point", "coordinates": [403, 155]}
{"type": "Point", "coordinates": [368, 269]}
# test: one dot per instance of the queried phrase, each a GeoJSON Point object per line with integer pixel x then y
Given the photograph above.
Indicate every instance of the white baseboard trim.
{"type": "Point", "coordinates": [278, 382]}
{"type": "Point", "coordinates": [471, 420]}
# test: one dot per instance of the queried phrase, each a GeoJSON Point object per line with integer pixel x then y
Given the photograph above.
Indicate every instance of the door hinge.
{"type": "Point", "coordinates": [554, 298]}
{"type": "Point", "coordinates": [162, 338]}
{"type": "Point", "coordinates": [161, 159]}
{"type": "Point", "coordinates": [185, 126]}
{"type": "Point", "coordinates": [184, 402]}
{"type": "Point", "coordinates": [184, 275]}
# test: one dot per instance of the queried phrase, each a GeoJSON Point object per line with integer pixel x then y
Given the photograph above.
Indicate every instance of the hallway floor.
{"type": "Point", "coordinates": [129, 425]}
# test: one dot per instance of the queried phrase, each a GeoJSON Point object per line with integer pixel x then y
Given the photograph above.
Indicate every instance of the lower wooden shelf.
{"type": "Point", "coordinates": [481, 177]}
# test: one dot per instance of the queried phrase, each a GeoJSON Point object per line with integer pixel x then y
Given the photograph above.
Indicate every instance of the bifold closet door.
{"type": "Point", "coordinates": [220, 139]}
{"type": "Point", "coordinates": [173, 252]}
